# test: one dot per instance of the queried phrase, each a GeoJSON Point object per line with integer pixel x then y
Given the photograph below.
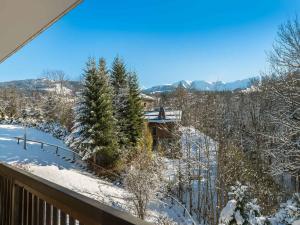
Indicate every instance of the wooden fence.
{"type": "Point", "coordinates": [56, 147]}
{"type": "Point", "coordinates": [26, 199]}
{"type": "Point", "coordinates": [73, 157]}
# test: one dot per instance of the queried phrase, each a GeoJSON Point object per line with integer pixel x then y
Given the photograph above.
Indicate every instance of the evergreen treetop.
{"type": "Point", "coordinates": [135, 110]}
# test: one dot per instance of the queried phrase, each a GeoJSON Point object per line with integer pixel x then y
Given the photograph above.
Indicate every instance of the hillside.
{"type": "Point", "coordinates": [43, 85]}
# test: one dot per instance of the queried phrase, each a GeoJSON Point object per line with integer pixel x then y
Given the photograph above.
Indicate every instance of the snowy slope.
{"type": "Point", "coordinates": [197, 144]}
{"type": "Point", "coordinates": [51, 167]}
{"type": "Point", "coordinates": [198, 151]}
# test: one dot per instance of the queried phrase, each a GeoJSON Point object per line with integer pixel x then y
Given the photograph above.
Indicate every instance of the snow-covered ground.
{"type": "Point", "coordinates": [58, 89]}
{"type": "Point", "coordinates": [46, 164]}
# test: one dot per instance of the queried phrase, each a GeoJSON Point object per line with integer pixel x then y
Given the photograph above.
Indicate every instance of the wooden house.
{"type": "Point", "coordinates": [163, 123]}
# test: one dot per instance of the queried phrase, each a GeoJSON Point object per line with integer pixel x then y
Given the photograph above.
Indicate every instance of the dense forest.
{"type": "Point", "coordinates": [257, 131]}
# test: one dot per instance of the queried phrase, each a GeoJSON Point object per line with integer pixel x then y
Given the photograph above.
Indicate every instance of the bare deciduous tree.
{"type": "Point", "coordinates": [285, 56]}
{"type": "Point", "coordinates": [143, 180]}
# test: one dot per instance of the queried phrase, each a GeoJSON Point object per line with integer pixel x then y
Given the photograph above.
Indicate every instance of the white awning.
{"type": "Point", "coordinates": [22, 20]}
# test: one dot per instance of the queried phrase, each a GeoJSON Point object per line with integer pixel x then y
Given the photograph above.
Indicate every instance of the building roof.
{"type": "Point", "coordinates": [163, 115]}
{"type": "Point", "coordinates": [21, 21]}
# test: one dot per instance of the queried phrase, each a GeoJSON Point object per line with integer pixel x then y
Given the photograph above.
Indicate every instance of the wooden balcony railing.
{"type": "Point", "coordinates": [26, 199]}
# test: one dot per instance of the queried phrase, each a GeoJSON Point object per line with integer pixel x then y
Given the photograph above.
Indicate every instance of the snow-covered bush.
{"type": "Point", "coordinates": [240, 209]}
{"type": "Point", "coordinates": [162, 220]}
{"type": "Point", "coordinates": [52, 128]}
{"type": "Point", "coordinates": [289, 212]}
{"type": "Point", "coordinates": [21, 166]}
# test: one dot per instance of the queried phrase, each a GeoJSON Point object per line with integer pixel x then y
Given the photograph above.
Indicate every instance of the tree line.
{"type": "Point", "coordinates": [36, 106]}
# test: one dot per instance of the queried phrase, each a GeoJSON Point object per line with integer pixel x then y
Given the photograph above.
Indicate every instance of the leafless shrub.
{"type": "Point", "coordinates": [143, 180]}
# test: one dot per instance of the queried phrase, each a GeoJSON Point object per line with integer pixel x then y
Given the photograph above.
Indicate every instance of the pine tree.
{"type": "Point", "coordinates": [135, 111]}
{"type": "Point", "coordinates": [288, 213]}
{"type": "Point", "coordinates": [241, 210]}
{"type": "Point", "coordinates": [95, 124]}
{"type": "Point", "coordinates": [83, 111]}
{"type": "Point", "coordinates": [119, 82]}
{"type": "Point", "coordinates": [105, 123]}
{"type": "Point", "coordinates": [50, 108]}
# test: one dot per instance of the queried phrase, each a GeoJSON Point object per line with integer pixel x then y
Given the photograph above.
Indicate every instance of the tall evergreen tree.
{"type": "Point", "coordinates": [83, 122]}
{"type": "Point", "coordinates": [94, 123]}
{"type": "Point", "coordinates": [105, 123]}
{"type": "Point", "coordinates": [135, 110]}
{"type": "Point", "coordinates": [119, 82]}
{"type": "Point", "coordinates": [50, 108]}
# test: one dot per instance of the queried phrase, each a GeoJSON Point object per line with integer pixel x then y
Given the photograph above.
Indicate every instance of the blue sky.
{"type": "Point", "coordinates": [162, 40]}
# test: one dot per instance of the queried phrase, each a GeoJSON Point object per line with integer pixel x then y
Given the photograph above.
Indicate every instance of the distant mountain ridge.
{"type": "Point", "coordinates": [200, 85]}
{"type": "Point", "coordinates": [42, 85]}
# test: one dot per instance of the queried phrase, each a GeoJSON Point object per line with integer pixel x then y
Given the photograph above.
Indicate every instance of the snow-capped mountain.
{"type": "Point", "coordinates": [70, 87]}
{"type": "Point", "coordinates": [200, 85]}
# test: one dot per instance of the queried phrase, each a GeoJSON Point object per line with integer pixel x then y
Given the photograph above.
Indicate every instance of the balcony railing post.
{"type": "Point", "coordinates": [15, 204]}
